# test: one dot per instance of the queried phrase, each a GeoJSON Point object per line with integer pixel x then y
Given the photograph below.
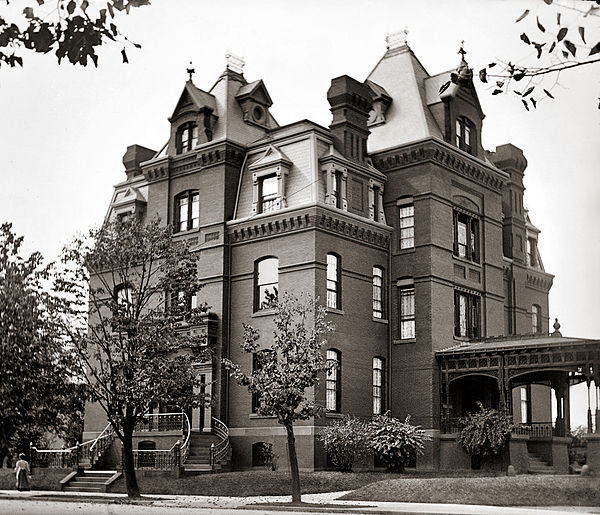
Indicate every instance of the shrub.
{"type": "Point", "coordinates": [485, 432]}
{"type": "Point", "coordinates": [345, 441]}
{"type": "Point", "coordinates": [396, 441]}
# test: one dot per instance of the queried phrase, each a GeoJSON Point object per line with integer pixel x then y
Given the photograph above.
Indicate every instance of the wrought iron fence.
{"type": "Point", "coordinates": [539, 429]}
{"type": "Point", "coordinates": [162, 422]}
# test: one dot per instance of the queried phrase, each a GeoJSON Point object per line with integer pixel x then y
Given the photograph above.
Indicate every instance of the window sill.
{"type": "Point", "coordinates": [381, 320]}
{"type": "Point", "coordinates": [264, 313]}
{"type": "Point", "coordinates": [256, 416]}
{"type": "Point", "coordinates": [335, 311]}
{"type": "Point", "coordinates": [333, 414]}
{"type": "Point", "coordinates": [186, 232]}
{"type": "Point", "coordinates": [466, 260]}
{"type": "Point", "coordinates": [406, 340]}
{"type": "Point", "coordinates": [408, 250]}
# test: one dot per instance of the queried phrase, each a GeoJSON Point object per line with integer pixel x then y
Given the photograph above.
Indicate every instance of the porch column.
{"type": "Point", "coordinates": [567, 414]}
{"type": "Point", "coordinates": [589, 411]}
{"type": "Point", "coordinates": [560, 407]}
{"type": "Point", "coordinates": [597, 406]}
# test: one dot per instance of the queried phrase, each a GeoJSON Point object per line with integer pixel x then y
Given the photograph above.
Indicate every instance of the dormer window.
{"type": "Point", "coordinates": [187, 210]}
{"type": "Point", "coordinates": [268, 193]}
{"type": "Point", "coordinates": [465, 135]}
{"type": "Point", "coordinates": [187, 137]}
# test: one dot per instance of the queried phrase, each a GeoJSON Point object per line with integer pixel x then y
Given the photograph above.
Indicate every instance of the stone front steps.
{"type": "Point", "coordinates": [538, 466]}
{"type": "Point", "coordinates": [198, 460]}
{"type": "Point", "coordinates": [89, 481]}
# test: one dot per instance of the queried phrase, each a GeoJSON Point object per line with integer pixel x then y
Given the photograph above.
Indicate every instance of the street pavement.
{"type": "Point", "coordinates": [58, 503]}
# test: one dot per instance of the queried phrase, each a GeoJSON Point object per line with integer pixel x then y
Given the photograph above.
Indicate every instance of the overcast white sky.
{"type": "Point", "coordinates": [64, 130]}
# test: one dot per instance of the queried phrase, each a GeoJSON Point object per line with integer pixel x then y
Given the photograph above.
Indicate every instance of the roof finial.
{"type": "Point", "coordinates": [397, 39]}
{"type": "Point", "coordinates": [556, 326]}
{"type": "Point", "coordinates": [462, 50]}
{"type": "Point", "coordinates": [191, 71]}
{"type": "Point", "coordinates": [235, 62]}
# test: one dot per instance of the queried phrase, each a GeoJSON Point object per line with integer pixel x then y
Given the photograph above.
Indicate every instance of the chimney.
{"type": "Point", "coordinates": [351, 104]}
{"type": "Point", "coordinates": [135, 155]}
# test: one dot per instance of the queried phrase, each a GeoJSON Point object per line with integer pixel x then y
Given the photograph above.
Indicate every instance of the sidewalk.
{"type": "Point", "coordinates": [319, 502]}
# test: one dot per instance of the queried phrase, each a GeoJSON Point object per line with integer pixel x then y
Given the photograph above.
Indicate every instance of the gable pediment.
{"type": "Point", "coordinates": [193, 100]}
{"type": "Point", "coordinates": [255, 91]}
{"type": "Point", "coordinates": [271, 158]}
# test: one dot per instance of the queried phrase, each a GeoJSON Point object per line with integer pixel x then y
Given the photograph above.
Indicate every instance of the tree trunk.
{"type": "Point", "coordinates": [133, 490]}
{"type": "Point", "coordinates": [293, 459]}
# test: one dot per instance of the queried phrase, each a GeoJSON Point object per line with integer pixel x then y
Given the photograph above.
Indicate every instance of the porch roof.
{"type": "Point", "coordinates": [516, 343]}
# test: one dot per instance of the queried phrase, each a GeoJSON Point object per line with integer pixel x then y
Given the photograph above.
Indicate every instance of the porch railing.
{"type": "Point", "coordinates": [82, 454]}
{"type": "Point", "coordinates": [164, 459]}
{"type": "Point", "coordinates": [162, 422]}
{"type": "Point", "coordinates": [219, 451]}
{"type": "Point", "coordinates": [539, 429]}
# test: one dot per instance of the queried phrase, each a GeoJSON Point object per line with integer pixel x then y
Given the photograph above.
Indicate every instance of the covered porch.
{"type": "Point", "coordinates": [520, 375]}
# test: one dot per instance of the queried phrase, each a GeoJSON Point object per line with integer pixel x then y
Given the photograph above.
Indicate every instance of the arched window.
{"type": "Point", "coordinates": [187, 137]}
{"type": "Point", "coordinates": [536, 319]}
{"type": "Point", "coordinates": [334, 283]}
{"type": "Point", "coordinates": [333, 382]}
{"type": "Point", "coordinates": [123, 294]}
{"type": "Point", "coordinates": [266, 283]}
{"type": "Point", "coordinates": [187, 210]}
{"type": "Point", "coordinates": [465, 135]}
{"type": "Point", "coordinates": [378, 304]}
{"type": "Point", "coordinates": [378, 385]}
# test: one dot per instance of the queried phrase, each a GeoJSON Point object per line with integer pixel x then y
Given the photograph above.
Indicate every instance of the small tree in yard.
{"type": "Point", "coordinates": [346, 441]}
{"type": "Point", "coordinates": [287, 367]}
{"type": "Point", "coordinates": [127, 286]}
{"type": "Point", "coordinates": [485, 433]}
{"type": "Point", "coordinates": [38, 390]}
{"type": "Point", "coordinates": [396, 441]}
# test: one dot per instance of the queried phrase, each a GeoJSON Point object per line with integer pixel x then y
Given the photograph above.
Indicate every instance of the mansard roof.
{"type": "Point", "coordinates": [400, 74]}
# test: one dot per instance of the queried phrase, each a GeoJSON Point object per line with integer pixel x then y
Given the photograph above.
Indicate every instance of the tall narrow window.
{"type": "Point", "coordinates": [187, 137]}
{"type": "Point", "coordinates": [467, 315]}
{"type": "Point", "coordinates": [466, 236]}
{"type": "Point", "coordinates": [266, 288]}
{"type": "Point", "coordinates": [536, 319]}
{"type": "Point", "coordinates": [378, 292]}
{"type": "Point", "coordinates": [259, 358]}
{"type": "Point", "coordinates": [336, 191]}
{"type": "Point", "coordinates": [525, 404]}
{"type": "Point", "coordinates": [464, 135]}
{"type": "Point", "coordinates": [333, 381]}
{"type": "Point", "coordinates": [407, 313]}
{"type": "Point", "coordinates": [376, 203]}
{"type": "Point", "coordinates": [268, 194]}
{"type": "Point", "coordinates": [333, 281]}
{"type": "Point", "coordinates": [531, 252]}
{"type": "Point", "coordinates": [407, 226]}
{"type": "Point", "coordinates": [183, 303]}
{"type": "Point", "coordinates": [378, 384]}
{"type": "Point", "coordinates": [187, 214]}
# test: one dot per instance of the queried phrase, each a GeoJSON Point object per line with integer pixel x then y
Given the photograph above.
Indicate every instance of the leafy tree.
{"type": "Point", "coordinates": [71, 29]}
{"type": "Point", "coordinates": [346, 441]}
{"type": "Point", "coordinates": [287, 368]}
{"type": "Point", "coordinates": [396, 441]}
{"type": "Point", "coordinates": [136, 281]}
{"type": "Point", "coordinates": [560, 37]}
{"type": "Point", "coordinates": [485, 432]}
{"type": "Point", "coordinates": [38, 391]}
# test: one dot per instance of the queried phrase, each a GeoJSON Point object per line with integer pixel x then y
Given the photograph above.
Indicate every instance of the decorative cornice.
{"type": "Point", "coordinates": [322, 221]}
{"type": "Point", "coordinates": [433, 151]}
{"type": "Point", "coordinates": [195, 160]}
{"type": "Point", "coordinates": [539, 280]}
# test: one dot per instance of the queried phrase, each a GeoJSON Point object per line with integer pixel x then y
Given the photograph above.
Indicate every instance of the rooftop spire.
{"type": "Point", "coordinates": [397, 39]}
{"type": "Point", "coordinates": [235, 63]}
{"type": "Point", "coordinates": [190, 71]}
{"type": "Point", "coordinates": [463, 71]}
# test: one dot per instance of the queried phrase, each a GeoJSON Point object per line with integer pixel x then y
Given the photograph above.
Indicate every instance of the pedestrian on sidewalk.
{"type": "Point", "coordinates": [22, 471]}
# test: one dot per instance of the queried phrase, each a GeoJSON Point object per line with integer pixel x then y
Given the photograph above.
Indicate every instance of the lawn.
{"type": "Point", "coordinates": [254, 482]}
{"type": "Point", "coordinates": [42, 479]}
{"type": "Point", "coordinates": [525, 490]}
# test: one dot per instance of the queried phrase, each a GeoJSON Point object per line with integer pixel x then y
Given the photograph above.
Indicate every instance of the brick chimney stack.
{"type": "Point", "coordinates": [350, 103]}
